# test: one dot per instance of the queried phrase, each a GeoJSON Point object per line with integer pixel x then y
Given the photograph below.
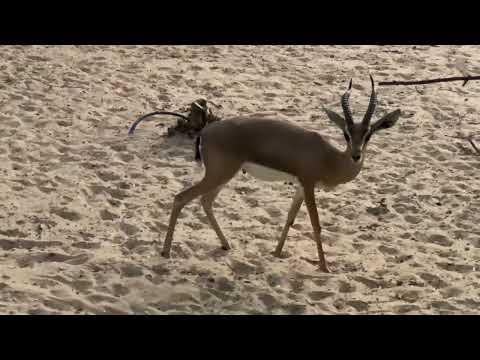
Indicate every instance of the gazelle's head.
{"type": "Point", "coordinates": [357, 135]}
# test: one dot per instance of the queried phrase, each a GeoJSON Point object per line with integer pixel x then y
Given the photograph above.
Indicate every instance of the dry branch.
{"type": "Point", "coordinates": [470, 140]}
{"type": "Point", "coordinates": [465, 79]}
{"type": "Point", "coordinates": [198, 117]}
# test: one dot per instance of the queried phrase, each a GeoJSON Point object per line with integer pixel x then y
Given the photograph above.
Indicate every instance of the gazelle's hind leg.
{"type": "Point", "coordinates": [220, 171]}
{"type": "Point", "coordinates": [207, 202]}
{"type": "Point", "coordinates": [309, 194]}
{"type": "Point", "coordinates": [292, 214]}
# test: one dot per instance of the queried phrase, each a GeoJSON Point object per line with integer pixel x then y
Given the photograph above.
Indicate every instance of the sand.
{"type": "Point", "coordinates": [84, 208]}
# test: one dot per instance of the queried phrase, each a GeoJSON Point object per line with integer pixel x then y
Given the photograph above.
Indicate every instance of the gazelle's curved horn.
{"type": "Point", "coordinates": [199, 106]}
{"type": "Point", "coordinates": [372, 105]}
{"type": "Point", "coordinates": [345, 105]}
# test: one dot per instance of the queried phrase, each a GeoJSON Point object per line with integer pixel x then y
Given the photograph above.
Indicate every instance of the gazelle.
{"type": "Point", "coordinates": [275, 150]}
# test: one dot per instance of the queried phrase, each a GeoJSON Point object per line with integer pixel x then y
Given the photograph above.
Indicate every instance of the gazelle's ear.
{"type": "Point", "coordinates": [387, 121]}
{"type": "Point", "coordinates": [336, 118]}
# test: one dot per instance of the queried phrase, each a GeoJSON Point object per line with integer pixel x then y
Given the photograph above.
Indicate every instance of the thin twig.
{"type": "Point", "coordinates": [465, 79]}
{"type": "Point", "coordinates": [470, 140]}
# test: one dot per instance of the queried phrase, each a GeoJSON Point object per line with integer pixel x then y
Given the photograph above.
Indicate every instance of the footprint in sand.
{"type": "Point", "coordinates": [320, 295]}
{"type": "Point", "coordinates": [449, 189]}
{"type": "Point", "coordinates": [235, 216]}
{"type": "Point", "coordinates": [183, 299]}
{"type": "Point", "coordinates": [136, 246]}
{"type": "Point", "coordinates": [100, 298]}
{"type": "Point", "coordinates": [451, 291]}
{"type": "Point", "coordinates": [410, 296]}
{"type": "Point", "coordinates": [295, 309]}
{"type": "Point", "coordinates": [460, 268]}
{"type": "Point", "coordinates": [131, 270]}
{"type": "Point", "coordinates": [114, 203]}
{"type": "Point", "coordinates": [6, 244]}
{"type": "Point", "coordinates": [370, 283]}
{"type": "Point", "coordinates": [346, 287]}
{"type": "Point", "coordinates": [224, 284]}
{"type": "Point", "coordinates": [297, 285]}
{"type": "Point", "coordinates": [125, 157]}
{"type": "Point", "coordinates": [252, 202]}
{"type": "Point", "coordinates": [13, 233]}
{"type": "Point", "coordinates": [120, 290]}
{"type": "Point", "coordinates": [107, 215]}
{"type": "Point", "coordinates": [34, 258]}
{"type": "Point", "coordinates": [112, 310]}
{"type": "Point", "coordinates": [128, 229]}
{"type": "Point", "coordinates": [223, 296]}
{"type": "Point", "coordinates": [360, 306]}
{"type": "Point", "coordinates": [241, 268]}
{"type": "Point", "coordinates": [470, 303]}
{"type": "Point", "coordinates": [403, 208]}
{"type": "Point", "coordinates": [274, 212]}
{"type": "Point", "coordinates": [66, 214]}
{"type": "Point", "coordinates": [195, 225]}
{"type": "Point", "coordinates": [43, 283]}
{"type": "Point", "coordinates": [269, 301]}
{"type": "Point", "coordinates": [276, 280]}
{"type": "Point", "coordinates": [433, 280]}
{"type": "Point", "coordinates": [58, 304]}
{"type": "Point", "coordinates": [413, 219]}
{"type": "Point", "coordinates": [407, 308]}
{"type": "Point", "coordinates": [388, 250]}
{"type": "Point", "coordinates": [440, 239]}
{"type": "Point", "coordinates": [87, 245]}
{"type": "Point", "coordinates": [263, 220]}
{"type": "Point", "coordinates": [244, 190]}
{"type": "Point", "coordinates": [81, 285]}
{"type": "Point", "coordinates": [69, 304]}
{"type": "Point", "coordinates": [107, 176]}
{"type": "Point", "coordinates": [443, 305]}
{"type": "Point", "coordinates": [40, 311]}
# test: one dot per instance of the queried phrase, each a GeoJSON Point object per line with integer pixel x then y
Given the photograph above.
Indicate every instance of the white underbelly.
{"type": "Point", "coordinates": [267, 174]}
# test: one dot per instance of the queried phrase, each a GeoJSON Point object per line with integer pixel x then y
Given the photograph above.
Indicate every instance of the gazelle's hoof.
{"type": "Point", "coordinates": [280, 254]}
{"type": "Point", "coordinates": [165, 254]}
{"type": "Point", "coordinates": [226, 247]}
{"type": "Point", "coordinates": [324, 268]}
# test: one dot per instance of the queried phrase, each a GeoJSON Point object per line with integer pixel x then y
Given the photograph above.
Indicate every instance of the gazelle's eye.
{"type": "Point", "coordinates": [347, 138]}
{"type": "Point", "coordinates": [367, 137]}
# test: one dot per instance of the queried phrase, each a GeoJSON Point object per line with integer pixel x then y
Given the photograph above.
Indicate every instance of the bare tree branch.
{"type": "Point", "coordinates": [465, 79]}
{"type": "Point", "coordinates": [200, 115]}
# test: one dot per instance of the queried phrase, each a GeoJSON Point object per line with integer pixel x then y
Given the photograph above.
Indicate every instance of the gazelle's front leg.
{"type": "Point", "coordinates": [292, 214]}
{"type": "Point", "coordinates": [317, 230]}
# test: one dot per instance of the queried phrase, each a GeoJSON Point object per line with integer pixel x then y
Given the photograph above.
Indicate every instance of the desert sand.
{"type": "Point", "coordinates": [84, 208]}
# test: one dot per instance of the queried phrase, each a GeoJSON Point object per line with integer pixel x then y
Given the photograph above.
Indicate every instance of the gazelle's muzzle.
{"type": "Point", "coordinates": [356, 157]}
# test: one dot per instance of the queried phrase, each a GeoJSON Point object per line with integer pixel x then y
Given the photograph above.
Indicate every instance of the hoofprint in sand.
{"type": "Point", "coordinates": [84, 208]}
